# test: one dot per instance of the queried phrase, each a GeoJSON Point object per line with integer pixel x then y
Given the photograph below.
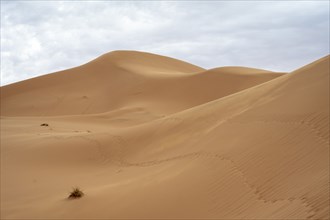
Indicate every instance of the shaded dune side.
{"type": "Point", "coordinates": [126, 80]}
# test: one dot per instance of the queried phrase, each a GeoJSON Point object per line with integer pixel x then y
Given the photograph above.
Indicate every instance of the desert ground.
{"type": "Point", "coordinates": [150, 137]}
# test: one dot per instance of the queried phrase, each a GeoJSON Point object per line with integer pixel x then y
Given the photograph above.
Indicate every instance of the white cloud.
{"type": "Point", "coordinates": [40, 37]}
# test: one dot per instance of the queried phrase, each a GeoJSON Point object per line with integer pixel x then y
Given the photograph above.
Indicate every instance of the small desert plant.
{"type": "Point", "coordinates": [76, 193]}
{"type": "Point", "coordinates": [44, 124]}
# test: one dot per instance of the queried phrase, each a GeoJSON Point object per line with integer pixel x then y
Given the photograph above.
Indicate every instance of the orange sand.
{"type": "Point", "coordinates": [147, 136]}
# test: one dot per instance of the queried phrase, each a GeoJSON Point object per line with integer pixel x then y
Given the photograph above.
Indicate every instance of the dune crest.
{"type": "Point", "coordinates": [123, 79]}
{"type": "Point", "coordinates": [147, 136]}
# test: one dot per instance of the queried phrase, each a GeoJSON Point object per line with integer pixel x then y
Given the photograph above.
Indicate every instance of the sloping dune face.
{"type": "Point", "coordinates": [147, 136]}
{"type": "Point", "coordinates": [125, 80]}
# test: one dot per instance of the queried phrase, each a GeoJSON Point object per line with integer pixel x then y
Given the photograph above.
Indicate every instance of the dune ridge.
{"type": "Point", "coordinates": [126, 79]}
{"type": "Point", "coordinates": [146, 136]}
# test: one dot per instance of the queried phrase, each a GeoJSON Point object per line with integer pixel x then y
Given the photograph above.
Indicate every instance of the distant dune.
{"type": "Point", "coordinates": [151, 137]}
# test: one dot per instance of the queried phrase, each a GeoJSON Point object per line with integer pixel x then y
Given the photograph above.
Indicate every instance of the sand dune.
{"type": "Point", "coordinates": [122, 80]}
{"type": "Point", "coordinates": [147, 136]}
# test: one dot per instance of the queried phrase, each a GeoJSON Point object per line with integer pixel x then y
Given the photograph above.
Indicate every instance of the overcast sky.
{"type": "Point", "coordinates": [39, 37]}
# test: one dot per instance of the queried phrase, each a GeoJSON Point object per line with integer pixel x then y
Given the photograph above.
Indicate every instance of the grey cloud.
{"type": "Point", "coordinates": [40, 37]}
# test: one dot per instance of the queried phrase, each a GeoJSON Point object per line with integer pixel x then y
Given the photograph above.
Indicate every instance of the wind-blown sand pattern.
{"type": "Point", "coordinates": [147, 136]}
